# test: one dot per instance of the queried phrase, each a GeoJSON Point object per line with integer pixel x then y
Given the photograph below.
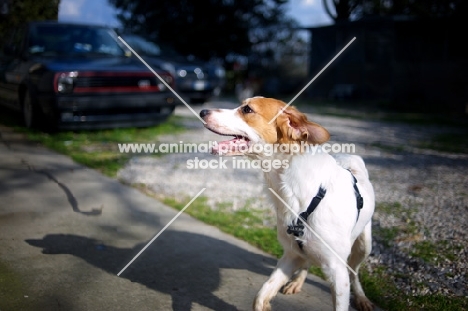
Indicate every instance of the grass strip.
{"type": "Point", "coordinates": [99, 149]}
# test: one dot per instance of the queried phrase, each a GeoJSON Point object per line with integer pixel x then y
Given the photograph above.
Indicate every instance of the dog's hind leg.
{"type": "Point", "coordinates": [287, 265]}
{"type": "Point", "coordinates": [359, 252]}
{"type": "Point", "coordinates": [338, 277]}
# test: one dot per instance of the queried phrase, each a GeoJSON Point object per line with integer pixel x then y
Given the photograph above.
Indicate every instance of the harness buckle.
{"type": "Point", "coordinates": [360, 201]}
{"type": "Point", "coordinates": [296, 230]}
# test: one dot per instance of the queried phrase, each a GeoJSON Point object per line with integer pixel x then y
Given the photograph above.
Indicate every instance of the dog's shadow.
{"type": "Point", "coordinates": [184, 265]}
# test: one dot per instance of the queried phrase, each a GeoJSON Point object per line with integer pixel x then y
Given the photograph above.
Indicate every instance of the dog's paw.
{"type": "Point", "coordinates": [363, 304]}
{"type": "Point", "coordinates": [259, 305]}
{"type": "Point", "coordinates": [292, 287]}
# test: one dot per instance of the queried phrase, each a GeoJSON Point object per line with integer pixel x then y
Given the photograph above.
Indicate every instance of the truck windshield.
{"type": "Point", "coordinates": [56, 39]}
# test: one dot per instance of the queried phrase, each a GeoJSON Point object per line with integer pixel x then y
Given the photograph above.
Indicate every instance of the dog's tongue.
{"type": "Point", "coordinates": [230, 147]}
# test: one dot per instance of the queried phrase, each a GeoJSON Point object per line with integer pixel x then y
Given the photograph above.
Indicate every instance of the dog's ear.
{"type": "Point", "coordinates": [294, 126]}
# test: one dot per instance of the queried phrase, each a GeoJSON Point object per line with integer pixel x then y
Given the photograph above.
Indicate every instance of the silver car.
{"type": "Point", "coordinates": [195, 81]}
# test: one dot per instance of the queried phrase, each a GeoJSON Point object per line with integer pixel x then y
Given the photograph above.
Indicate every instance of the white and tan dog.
{"type": "Point", "coordinates": [336, 219]}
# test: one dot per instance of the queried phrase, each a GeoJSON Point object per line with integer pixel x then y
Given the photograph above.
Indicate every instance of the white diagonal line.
{"type": "Point", "coordinates": [312, 230]}
{"type": "Point", "coordinates": [159, 77]}
{"type": "Point", "coordinates": [313, 79]}
{"type": "Point", "coordinates": [162, 230]}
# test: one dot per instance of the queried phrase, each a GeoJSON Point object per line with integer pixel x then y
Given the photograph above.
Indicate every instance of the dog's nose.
{"type": "Point", "coordinates": [204, 112]}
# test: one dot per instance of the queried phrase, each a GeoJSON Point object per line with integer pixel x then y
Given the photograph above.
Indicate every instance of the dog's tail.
{"type": "Point", "coordinates": [354, 163]}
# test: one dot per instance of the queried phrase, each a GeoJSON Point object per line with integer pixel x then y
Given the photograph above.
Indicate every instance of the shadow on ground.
{"type": "Point", "coordinates": [184, 265]}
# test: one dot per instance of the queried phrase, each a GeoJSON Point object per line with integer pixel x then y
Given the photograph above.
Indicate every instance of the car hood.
{"type": "Point", "coordinates": [190, 66]}
{"type": "Point", "coordinates": [112, 64]}
{"type": "Point", "coordinates": [178, 64]}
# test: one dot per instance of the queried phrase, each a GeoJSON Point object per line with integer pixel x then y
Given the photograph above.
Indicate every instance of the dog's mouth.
{"type": "Point", "coordinates": [239, 145]}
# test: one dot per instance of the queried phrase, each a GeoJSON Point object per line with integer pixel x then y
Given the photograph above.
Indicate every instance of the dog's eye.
{"type": "Point", "coordinates": [247, 109]}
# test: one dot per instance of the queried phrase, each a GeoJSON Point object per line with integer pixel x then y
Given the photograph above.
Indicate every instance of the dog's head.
{"type": "Point", "coordinates": [261, 120]}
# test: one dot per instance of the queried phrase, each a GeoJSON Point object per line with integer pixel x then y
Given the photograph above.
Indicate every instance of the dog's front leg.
{"type": "Point", "coordinates": [295, 284]}
{"type": "Point", "coordinates": [287, 265]}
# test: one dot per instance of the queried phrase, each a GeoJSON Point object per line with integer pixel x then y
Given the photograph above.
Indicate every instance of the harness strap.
{"type": "Point", "coordinates": [297, 228]}
{"type": "Point", "coordinates": [359, 198]}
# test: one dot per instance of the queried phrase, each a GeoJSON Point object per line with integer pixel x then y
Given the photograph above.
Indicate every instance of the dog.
{"type": "Point", "coordinates": [332, 195]}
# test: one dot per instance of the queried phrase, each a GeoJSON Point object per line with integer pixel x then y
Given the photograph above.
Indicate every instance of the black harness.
{"type": "Point", "coordinates": [297, 229]}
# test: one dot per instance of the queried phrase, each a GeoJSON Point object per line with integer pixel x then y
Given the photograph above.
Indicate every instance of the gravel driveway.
{"type": "Point", "coordinates": [420, 224]}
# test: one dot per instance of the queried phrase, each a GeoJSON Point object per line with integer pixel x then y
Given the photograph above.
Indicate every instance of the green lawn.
{"type": "Point", "coordinates": [99, 149]}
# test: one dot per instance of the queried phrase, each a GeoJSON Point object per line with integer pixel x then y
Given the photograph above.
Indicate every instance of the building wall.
{"type": "Point", "coordinates": [411, 63]}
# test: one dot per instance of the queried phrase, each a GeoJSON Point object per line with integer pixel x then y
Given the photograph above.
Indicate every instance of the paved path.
{"type": "Point", "coordinates": [66, 231]}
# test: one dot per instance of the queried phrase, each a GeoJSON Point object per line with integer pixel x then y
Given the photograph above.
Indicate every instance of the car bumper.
{"type": "Point", "coordinates": [195, 89]}
{"type": "Point", "coordinates": [197, 94]}
{"type": "Point", "coordinates": [105, 111]}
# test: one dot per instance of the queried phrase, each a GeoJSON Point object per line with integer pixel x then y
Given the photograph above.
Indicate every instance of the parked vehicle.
{"type": "Point", "coordinates": [195, 80]}
{"type": "Point", "coordinates": [74, 76]}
